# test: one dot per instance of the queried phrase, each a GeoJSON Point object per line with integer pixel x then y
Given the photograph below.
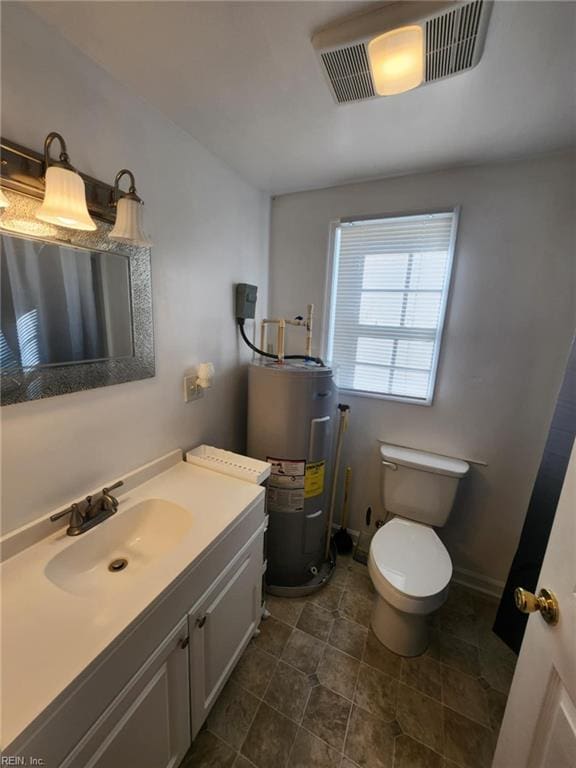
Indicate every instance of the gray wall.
{"type": "Point", "coordinates": [210, 230]}
{"type": "Point", "coordinates": [508, 330]}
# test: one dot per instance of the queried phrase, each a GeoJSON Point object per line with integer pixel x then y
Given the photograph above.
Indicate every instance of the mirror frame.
{"type": "Point", "coordinates": [35, 383]}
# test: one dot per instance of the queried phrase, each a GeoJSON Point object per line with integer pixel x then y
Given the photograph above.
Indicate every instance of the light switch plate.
{"type": "Point", "coordinates": [191, 389]}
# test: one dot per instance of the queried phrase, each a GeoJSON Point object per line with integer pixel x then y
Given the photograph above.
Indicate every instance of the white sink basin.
{"type": "Point", "coordinates": [140, 536]}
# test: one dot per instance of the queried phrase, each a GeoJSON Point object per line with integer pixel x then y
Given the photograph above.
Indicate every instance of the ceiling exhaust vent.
{"type": "Point", "coordinates": [454, 34]}
{"type": "Point", "coordinates": [451, 41]}
{"type": "Point", "coordinates": [349, 73]}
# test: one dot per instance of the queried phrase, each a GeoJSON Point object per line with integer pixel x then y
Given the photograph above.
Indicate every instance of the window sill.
{"type": "Point", "coordinates": [392, 398]}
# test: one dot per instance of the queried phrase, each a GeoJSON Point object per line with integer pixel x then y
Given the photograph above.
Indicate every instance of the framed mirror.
{"type": "Point", "coordinates": [74, 315]}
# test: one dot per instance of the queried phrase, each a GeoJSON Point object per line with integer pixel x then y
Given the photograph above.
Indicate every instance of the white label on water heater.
{"type": "Point", "coordinates": [287, 467]}
{"type": "Point", "coordinates": [286, 485]}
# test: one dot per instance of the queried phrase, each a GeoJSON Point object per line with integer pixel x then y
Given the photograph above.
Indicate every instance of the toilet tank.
{"type": "Point", "coordinates": [418, 485]}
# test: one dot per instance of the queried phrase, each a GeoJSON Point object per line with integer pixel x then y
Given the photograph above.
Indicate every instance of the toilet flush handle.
{"type": "Point", "coordinates": [390, 465]}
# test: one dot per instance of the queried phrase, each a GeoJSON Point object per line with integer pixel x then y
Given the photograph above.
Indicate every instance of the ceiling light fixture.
{"type": "Point", "coordinates": [129, 214]}
{"type": "Point", "coordinates": [397, 60]}
{"type": "Point", "coordinates": [65, 195]}
{"type": "Point", "coordinates": [400, 46]}
{"type": "Point", "coordinates": [4, 202]}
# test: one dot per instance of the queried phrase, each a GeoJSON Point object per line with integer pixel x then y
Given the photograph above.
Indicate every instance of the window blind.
{"type": "Point", "coordinates": [389, 289]}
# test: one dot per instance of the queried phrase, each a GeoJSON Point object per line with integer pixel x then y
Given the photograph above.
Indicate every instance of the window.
{"type": "Point", "coordinates": [389, 287]}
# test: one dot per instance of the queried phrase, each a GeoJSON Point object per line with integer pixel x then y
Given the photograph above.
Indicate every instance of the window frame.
{"type": "Point", "coordinates": [330, 299]}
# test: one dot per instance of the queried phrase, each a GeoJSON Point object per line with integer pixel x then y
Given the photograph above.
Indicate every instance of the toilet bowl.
{"type": "Point", "coordinates": [409, 566]}
{"type": "Point", "coordinates": [410, 569]}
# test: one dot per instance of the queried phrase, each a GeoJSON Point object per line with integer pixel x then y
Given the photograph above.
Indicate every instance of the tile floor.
{"type": "Point", "coordinates": [316, 689]}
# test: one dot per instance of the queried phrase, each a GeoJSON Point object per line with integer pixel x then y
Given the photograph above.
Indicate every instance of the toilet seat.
{"type": "Point", "coordinates": [409, 566]}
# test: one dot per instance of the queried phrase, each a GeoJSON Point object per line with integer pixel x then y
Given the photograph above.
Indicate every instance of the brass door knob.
{"type": "Point", "coordinates": [545, 602]}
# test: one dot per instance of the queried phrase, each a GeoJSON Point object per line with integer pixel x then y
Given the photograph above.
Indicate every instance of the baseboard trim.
{"type": "Point", "coordinates": [354, 534]}
{"type": "Point", "coordinates": [477, 581]}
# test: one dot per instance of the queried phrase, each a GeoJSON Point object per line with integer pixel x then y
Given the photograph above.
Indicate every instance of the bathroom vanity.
{"type": "Point", "coordinates": [105, 668]}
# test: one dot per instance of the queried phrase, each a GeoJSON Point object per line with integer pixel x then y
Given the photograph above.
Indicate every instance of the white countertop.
{"type": "Point", "coordinates": [49, 636]}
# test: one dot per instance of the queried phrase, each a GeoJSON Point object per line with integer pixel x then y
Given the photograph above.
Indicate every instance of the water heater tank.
{"type": "Point", "coordinates": [291, 411]}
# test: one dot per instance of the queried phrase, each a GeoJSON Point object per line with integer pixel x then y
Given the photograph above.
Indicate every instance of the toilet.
{"type": "Point", "coordinates": [408, 564]}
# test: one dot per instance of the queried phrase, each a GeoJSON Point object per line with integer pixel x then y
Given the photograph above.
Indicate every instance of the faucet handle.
{"type": "Point", "coordinates": [109, 501]}
{"type": "Point", "coordinates": [73, 509]}
{"type": "Point", "coordinates": [119, 484]}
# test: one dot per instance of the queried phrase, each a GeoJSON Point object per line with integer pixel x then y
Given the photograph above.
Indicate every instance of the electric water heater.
{"type": "Point", "coordinates": [291, 412]}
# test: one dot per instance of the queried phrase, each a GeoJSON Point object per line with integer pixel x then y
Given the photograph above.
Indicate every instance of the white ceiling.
{"type": "Point", "coordinates": [243, 79]}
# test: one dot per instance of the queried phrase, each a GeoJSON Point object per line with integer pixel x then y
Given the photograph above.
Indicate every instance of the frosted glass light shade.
{"type": "Point", "coordinates": [65, 200]}
{"type": "Point", "coordinates": [129, 223]}
{"type": "Point", "coordinates": [397, 60]}
{"type": "Point", "coordinates": [4, 202]}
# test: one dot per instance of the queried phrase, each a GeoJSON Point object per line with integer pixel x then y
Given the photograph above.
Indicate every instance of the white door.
{"type": "Point", "coordinates": [539, 727]}
{"type": "Point", "coordinates": [220, 629]}
{"type": "Point", "coordinates": [148, 724]}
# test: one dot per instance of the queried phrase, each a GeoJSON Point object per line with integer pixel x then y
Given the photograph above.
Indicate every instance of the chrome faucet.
{"type": "Point", "coordinates": [91, 511]}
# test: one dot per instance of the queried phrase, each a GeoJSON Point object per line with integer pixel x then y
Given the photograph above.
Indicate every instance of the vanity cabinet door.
{"type": "Point", "coordinates": [148, 723]}
{"type": "Point", "coordinates": [220, 628]}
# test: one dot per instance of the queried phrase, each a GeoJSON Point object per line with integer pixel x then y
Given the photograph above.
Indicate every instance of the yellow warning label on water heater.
{"type": "Point", "coordinates": [314, 481]}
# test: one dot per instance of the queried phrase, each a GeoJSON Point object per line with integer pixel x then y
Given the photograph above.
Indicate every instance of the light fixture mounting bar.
{"type": "Point", "coordinates": [22, 170]}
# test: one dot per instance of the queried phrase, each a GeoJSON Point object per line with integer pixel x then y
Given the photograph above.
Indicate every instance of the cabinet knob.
{"type": "Point", "coordinates": [184, 642]}
{"type": "Point", "coordinates": [201, 621]}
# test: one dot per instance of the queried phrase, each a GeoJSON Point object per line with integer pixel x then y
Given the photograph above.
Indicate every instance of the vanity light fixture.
{"type": "Point", "coordinates": [65, 195]}
{"type": "Point", "coordinates": [4, 202]}
{"type": "Point", "coordinates": [129, 214]}
{"type": "Point", "coordinates": [397, 60]}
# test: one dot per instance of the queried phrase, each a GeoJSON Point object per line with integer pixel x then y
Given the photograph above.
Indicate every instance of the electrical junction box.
{"type": "Point", "coordinates": [246, 301]}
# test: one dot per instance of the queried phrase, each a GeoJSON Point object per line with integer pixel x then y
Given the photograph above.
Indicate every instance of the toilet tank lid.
{"type": "Point", "coordinates": [427, 462]}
